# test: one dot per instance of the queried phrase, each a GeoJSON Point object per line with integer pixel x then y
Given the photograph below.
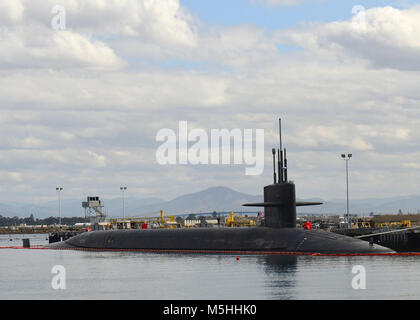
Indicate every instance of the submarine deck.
{"type": "Point", "coordinates": [220, 240]}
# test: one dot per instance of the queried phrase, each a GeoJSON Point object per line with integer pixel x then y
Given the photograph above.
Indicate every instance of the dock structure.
{"type": "Point", "coordinates": [94, 209]}
{"type": "Point", "coordinates": [400, 240]}
{"type": "Point", "coordinates": [398, 232]}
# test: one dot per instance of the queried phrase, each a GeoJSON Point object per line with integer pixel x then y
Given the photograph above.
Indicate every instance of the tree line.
{"type": "Point", "coordinates": [16, 221]}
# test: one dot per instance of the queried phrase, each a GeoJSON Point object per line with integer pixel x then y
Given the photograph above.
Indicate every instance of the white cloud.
{"type": "Point", "coordinates": [28, 40]}
{"type": "Point", "coordinates": [11, 11]}
{"type": "Point", "coordinates": [384, 37]}
{"type": "Point", "coordinates": [158, 21]}
{"type": "Point", "coordinates": [71, 112]}
{"type": "Point", "coordinates": [38, 47]}
{"type": "Point", "coordinates": [402, 133]}
{"type": "Point", "coordinates": [15, 176]}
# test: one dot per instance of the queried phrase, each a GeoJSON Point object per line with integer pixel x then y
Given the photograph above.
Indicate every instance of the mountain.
{"type": "Point", "coordinates": [209, 200]}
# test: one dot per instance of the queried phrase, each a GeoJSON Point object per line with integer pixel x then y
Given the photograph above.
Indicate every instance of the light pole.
{"type": "Point", "coordinates": [347, 157]}
{"type": "Point", "coordinates": [59, 189]}
{"type": "Point", "coordinates": [122, 190]}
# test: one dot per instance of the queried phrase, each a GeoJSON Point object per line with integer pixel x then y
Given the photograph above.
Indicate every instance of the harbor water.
{"type": "Point", "coordinates": [29, 274]}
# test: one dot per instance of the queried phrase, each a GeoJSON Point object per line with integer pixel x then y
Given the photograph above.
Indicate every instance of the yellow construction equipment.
{"type": "Point", "coordinates": [362, 224]}
{"type": "Point", "coordinates": [394, 224]}
{"type": "Point", "coordinates": [154, 222]}
{"type": "Point", "coordinates": [239, 221]}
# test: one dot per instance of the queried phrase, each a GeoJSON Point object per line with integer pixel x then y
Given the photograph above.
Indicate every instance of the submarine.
{"type": "Point", "coordinates": [278, 234]}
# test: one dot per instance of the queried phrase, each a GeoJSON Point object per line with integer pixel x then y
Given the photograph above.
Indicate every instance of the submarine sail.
{"type": "Point", "coordinates": [280, 197]}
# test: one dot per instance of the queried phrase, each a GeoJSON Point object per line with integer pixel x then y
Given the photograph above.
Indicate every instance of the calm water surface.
{"type": "Point", "coordinates": [26, 274]}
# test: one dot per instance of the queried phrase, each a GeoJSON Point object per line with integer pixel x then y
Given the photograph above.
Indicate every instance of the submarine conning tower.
{"type": "Point", "coordinates": [280, 197]}
{"type": "Point", "coordinates": [283, 212]}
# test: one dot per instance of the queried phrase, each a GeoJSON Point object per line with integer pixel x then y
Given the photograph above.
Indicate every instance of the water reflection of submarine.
{"type": "Point", "coordinates": [282, 270]}
{"type": "Point", "coordinates": [278, 234]}
{"type": "Point", "coordinates": [281, 263]}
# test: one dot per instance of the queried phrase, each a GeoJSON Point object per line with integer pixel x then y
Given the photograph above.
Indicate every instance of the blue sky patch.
{"type": "Point", "coordinates": [235, 12]}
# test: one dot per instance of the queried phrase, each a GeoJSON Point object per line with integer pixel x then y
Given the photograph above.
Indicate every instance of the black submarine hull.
{"type": "Point", "coordinates": [223, 239]}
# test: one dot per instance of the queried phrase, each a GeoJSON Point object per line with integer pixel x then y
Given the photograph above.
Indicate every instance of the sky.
{"type": "Point", "coordinates": [83, 97]}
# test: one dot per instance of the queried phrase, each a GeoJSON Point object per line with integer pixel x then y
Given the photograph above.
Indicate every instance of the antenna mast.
{"type": "Point", "coordinates": [280, 155]}
{"type": "Point", "coordinates": [285, 166]}
{"type": "Point", "coordinates": [274, 165]}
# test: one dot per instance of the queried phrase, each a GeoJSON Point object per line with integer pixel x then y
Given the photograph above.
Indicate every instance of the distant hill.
{"type": "Point", "coordinates": [209, 200]}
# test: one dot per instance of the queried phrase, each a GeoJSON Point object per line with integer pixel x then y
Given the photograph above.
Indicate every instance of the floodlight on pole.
{"type": "Point", "coordinates": [347, 157]}
{"type": "Point", "coordinates": [123, 202]}
{"type": "Point", "coordinates": [59, 189]}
